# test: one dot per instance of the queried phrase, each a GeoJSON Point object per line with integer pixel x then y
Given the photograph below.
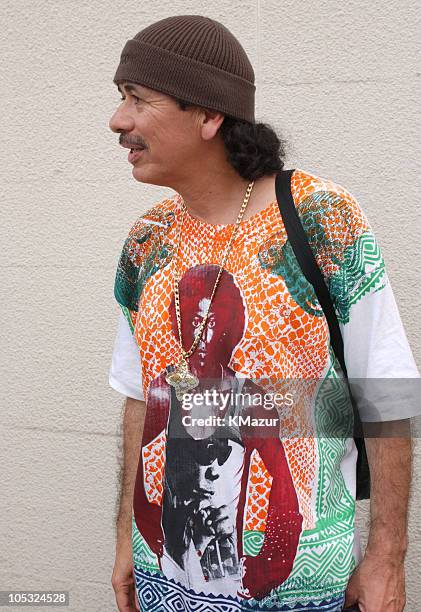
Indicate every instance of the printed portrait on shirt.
{"type": "Point", "coordinates": [197, 526]}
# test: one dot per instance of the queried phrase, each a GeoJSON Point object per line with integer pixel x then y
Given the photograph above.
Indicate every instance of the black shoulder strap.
{"type": "Point", "coordinates": [307, 261]}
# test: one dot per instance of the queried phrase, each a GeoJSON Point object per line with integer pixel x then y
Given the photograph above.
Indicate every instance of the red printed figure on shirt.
{"type": "Point", "coordinates": [196, 527]}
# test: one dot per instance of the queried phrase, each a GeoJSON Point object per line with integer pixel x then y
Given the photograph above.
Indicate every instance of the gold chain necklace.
{"type": "Point", "coordinates": [179, 375]}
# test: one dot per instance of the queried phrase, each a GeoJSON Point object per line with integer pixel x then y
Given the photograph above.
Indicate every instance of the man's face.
{"type": "Point", "coordinates": [195, 466]}
{"type": "Point", "coordinates": [216, 343]}
{"type": "Point", "coordinates": [208, 333]}
{"type": "Point", "coordinates": [170, 137]}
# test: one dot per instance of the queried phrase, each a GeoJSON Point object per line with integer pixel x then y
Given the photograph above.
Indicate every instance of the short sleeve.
{"type": "Point", "coordinates": [384, 377]}
{"type": "Point", "coordinates": [379, 360]}
{"type": "Point", "coordinates": [126, 284]}
{"type": "Point", "coordinates": [125, 374]}
{"type": "Point", "coordinates": [141, 256]}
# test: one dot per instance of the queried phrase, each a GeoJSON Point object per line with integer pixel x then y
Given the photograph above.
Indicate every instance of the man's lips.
{"type": "Point", "coordinates": [203, 493]}
{"type": "Point", "coordinates": [134, 155]}
{"type": "Point", "coordinates": [135, 151]}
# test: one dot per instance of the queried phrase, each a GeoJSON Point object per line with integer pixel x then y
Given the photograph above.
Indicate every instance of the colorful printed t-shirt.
{"type": "Point", "coordinates": [245, 520]}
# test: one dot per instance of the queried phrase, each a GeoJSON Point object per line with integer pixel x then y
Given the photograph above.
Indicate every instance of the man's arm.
{"type": "Point", "coordinates": [122, 578]}
{"type": "Point", "coordinates": [379, 581]}
{"type": "Point", "coordinates": [133, 423]}
{"type": "Point", "coordinates": [390, 461]}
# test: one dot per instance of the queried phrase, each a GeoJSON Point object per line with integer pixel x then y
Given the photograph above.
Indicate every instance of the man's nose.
{"type": "Point", "coordinates": [121, 121]}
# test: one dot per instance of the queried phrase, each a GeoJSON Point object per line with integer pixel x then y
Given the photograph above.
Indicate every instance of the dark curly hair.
{"type": "Point", "coordinates": [253, 149]}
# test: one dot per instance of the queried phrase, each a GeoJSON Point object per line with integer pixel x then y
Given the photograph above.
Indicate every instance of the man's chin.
{"type": "Point", "coordinates": [139, 174]}
{"type": "Point", "coordinates": [142, 176]}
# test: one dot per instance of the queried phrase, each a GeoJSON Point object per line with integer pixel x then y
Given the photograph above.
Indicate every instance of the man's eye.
{"type": "Point", "coordinates": [135, 98]}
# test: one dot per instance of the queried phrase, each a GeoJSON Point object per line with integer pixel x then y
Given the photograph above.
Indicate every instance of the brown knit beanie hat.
{"type": "Point", "coordinates": [193, 58]}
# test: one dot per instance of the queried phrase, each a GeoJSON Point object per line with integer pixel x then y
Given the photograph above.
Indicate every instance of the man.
{"type": "Point", "coordinates": [187, 117]}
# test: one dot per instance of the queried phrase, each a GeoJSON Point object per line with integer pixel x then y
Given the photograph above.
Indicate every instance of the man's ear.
{"type": "Point", "coordinates": [210, 122]}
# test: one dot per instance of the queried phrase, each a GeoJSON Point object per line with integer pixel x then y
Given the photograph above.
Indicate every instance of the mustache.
{"type": "Point", "coordinates": [129, 142]}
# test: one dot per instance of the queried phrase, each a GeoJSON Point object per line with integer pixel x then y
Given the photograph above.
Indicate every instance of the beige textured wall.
{"type": "Point", "coordinates": [339, 80]}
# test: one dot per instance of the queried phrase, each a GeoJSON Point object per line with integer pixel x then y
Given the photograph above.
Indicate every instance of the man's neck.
{"type": "Point", "coordinates": [219, 202]}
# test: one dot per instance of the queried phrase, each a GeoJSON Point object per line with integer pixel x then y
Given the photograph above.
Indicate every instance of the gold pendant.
{"type": "Point", "coordinates": [182, 379]}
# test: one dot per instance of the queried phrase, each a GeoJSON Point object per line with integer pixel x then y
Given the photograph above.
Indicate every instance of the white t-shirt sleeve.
{"type": "Point", "coordinates": [125, 373]}
{"type": "Point", "coordinates": [380, 364]}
